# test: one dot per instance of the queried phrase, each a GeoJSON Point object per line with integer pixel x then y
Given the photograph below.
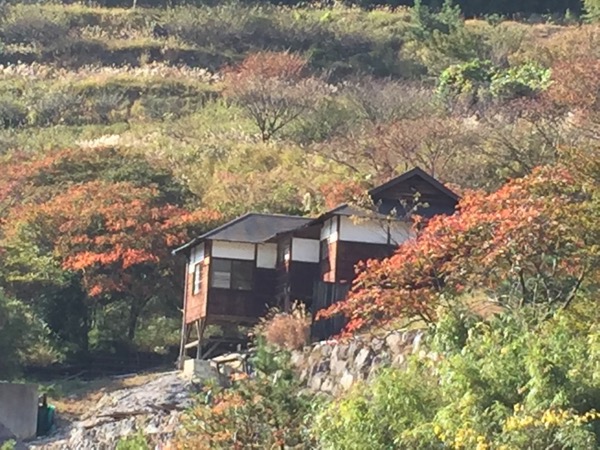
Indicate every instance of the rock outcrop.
{"type": "Point", "coordinates": [152, 409]}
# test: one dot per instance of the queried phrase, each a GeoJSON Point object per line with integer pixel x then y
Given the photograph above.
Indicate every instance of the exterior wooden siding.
{"type": "Point", "coordinates": [218, 305]}
{"type": "Point", "coordinates": [326, 294]}
{"type": "Point", "coordinates": [230, 305]}
{"type": "Point", "coordinates": [428, 194]}
{"type": "Point", "coordinates": [348, 254]}
{"type": "Point", "coordinates": [195, 304]}
{"type": "Point", "coordinates": [302, 278]}
{"type": "Point", "coordinates": [343, 257]}
{"type": "Point", "coordinates": [337, 274]}
{"type": "Point", "coordinates": [297, 269]}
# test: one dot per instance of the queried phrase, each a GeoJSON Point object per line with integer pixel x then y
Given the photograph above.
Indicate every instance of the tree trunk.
{"type": "Point", "coordinates": [134, 314]}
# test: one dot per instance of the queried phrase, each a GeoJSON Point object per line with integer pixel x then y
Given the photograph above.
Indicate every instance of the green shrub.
{"type": "Point", "coordinates": [592, 10]}
{"type": "Point", "coordinates": [476, 80]}
{"type": "Point", "coordinates": [12, 113]}
{"type": "Point", "coordinates": [269, 410]}
{"type": "Point", "coordinates": [135, 442]}
{"type": "Point", "coordinates": [515, 383]}
{"type": "Point", "coordinates": [439, 39]}
{"type": "Point", "coordinates": [163, 108]}
{"type": "Point", "coordinates": [8, 445]}
{"type": "Point", "coordinates": [57, 107]}
{"type": "Point", "coordinates": [469, 79]}
{"type": "Point", "coordinates": [107, 107]}
{"type": "Point", "coordinates": [32, 25]}
{"type": "Point", "coordinates": [24, 338]}
{"type": "Point", "coordinates": [521, 81]}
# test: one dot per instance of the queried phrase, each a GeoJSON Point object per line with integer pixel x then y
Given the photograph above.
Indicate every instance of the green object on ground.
{"type": "Point", "coordinates": [45, 420]}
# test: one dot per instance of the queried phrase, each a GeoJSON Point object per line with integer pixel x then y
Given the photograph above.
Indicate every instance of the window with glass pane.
{"type": "Point", "coordinates": [241, 275]}
{"type": "Point", "coordinates": [228, 274]}
{"type": "Point", "coordinates": [221, 273]}
{"type": "Point", "coordinates": [197, 279]}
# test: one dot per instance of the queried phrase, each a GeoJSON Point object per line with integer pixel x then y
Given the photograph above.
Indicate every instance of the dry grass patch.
{"type": "Point", "coordinates": [74, 398]}
{"type": "Point", "coordinates": [290, 331]}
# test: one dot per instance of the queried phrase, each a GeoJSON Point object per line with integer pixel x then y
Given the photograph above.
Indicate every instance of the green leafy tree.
{"type": "Point", "coordinates": [24, 338]}
{"type": "Point", "coordinates": [592, 10]}
{"type": "Point", "coordinates": [466, 82]}
{"type": "Point", "coordinates": [439, 39]}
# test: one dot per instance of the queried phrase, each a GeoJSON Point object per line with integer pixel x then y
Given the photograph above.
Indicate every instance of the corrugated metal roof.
{"type": "Point", "coordinates": [251, 227]}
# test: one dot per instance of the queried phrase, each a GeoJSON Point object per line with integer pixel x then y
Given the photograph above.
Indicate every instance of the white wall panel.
{"type": "Point", "coordinates": [400, 232]}
{"type": "Point", "coordinates": [305, 250]}
{"type": "Point", "coordinates": [363, 230]}
{"type": "Point", "coordinates": [266, 256]}
{"type": "Point", "coordinates": [232, 250]}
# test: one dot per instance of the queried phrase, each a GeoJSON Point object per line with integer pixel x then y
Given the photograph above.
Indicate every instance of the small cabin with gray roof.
{"type": "Point", "coordinates": [231, 272]}
{"type": "Point", "coordinates": [237, 271]}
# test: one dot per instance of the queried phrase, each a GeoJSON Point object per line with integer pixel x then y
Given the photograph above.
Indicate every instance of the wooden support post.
{"type": "Point", "coordinates": [184, 325]}
{"type": "Point", "coordinates": [185, 335]}
{"type": "Point", "coordinates": [200, 325]}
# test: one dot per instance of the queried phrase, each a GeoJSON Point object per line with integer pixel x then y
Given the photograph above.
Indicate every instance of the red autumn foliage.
{"type": "Point", "coordinates": [338, 192]}
{"type": "Point", "coordinates": [576, 84]}
{"type": "Point", "coordinates": [284, 65]}
{"type": "Point", "coordinates": [108, 230]}
{"type": "Point", "coordinates": [512, 242]}
{"type": "Point", "coordinates": [118, 236]}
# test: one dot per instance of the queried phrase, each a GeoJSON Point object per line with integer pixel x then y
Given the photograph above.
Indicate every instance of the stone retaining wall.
{"type": "Point", "coordinates": [334, 366]}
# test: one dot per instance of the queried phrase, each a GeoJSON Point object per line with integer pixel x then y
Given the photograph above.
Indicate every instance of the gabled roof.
{"type": "Point", "coordinates": [385, 207]}
{"type": "Point", "coordinates": [252, 228]}
{"type": "Point", "coordinates": [256, 227]}
{"type": "Point", "coordinates": [340, 210]}
{"type": "Point", "coordinates": [416, 172]}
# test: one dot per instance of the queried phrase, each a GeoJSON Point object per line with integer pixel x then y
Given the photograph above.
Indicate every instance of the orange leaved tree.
{"type": "Point", "coordinates": [117, 236]}
{"type": "Point", "coordinates": [523, 244]}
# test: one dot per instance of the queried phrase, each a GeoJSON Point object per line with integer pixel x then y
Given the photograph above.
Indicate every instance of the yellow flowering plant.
{"type": "Point", "coordinates": [513, 382]}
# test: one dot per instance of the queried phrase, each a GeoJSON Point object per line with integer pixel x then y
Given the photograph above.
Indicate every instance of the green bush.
{"type": "Point", "coordinates": [32, 25]}
{"type": "Point", "coordinates": [107, 107]}
{"type": "Point", "coordinates": [469, 80]}
{"type": "Point", "coordinates": [477, 80]}
{"type": "Point", "coordinates": [56, 107]}
{"type": "Point", "coordinates": [592, 10]}
{"type": "Point", "coordinates": [8, 445]}
{"type": "Point", "coordinates": [12, 113]}
{"type": "Point", "coordinates": [269, 410]}
{"type": "Point", "coordinates": [522, 81]}
{"type": "Point", "coordinates": [135, 442]}
{"type": "Point", "coordinates": [440, 38]}
{"type": "Point", "coordinates": [515, 383]}
{"type": "Point", "coordinates": [24, 338]}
